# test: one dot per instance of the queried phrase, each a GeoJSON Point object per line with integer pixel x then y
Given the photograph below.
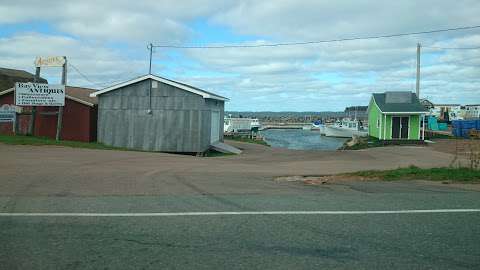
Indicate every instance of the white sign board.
{"type": "Point", "coordinates": [49, 61]}
{"type": "Point", "coordinates": [39, 94]}
{"type": "Point", "coordinates": [7, 113]}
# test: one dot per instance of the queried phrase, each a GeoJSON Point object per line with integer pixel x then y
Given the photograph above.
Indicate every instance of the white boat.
{"type": "Point", "coordinates": [346, 128]}
{"type": "Point", "coordinates": [255, 123]}
{"type": "Point", "coordinates": [231, 124]}
{"type": "Point", "coordinates": [321, 127]}
{"type": "Point", "coordinates": [316, 125]}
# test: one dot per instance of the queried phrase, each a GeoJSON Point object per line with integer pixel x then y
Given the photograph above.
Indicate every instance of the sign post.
{"type": "Point", "coordinates": [60, 108]}
{"type": "Point", "coordinates": [31, 125]}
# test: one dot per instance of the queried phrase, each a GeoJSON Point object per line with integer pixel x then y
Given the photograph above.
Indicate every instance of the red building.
{"type": "Point", "coordinates": [79, 116]}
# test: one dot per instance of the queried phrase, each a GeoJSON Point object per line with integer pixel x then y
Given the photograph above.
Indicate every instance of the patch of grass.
{"type": "Point", "coordinates": [31, 140]}
{"type": "Point", "coordinates": [415, 173]}
{"type": "Point", "coordinates": [213, 153]}
{"type": "Point", "coordinates": [247, 140]}
{"type": "Point", "coordinates": [370, 142]}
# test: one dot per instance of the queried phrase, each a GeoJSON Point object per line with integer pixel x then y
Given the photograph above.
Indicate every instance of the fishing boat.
{"type": "Point", "coordinates": [321, 128]}
{"type": "Point", "coordinates": [307, 127]}
{"type": "Point", "coordinates": [346, 128]}
{"type": "Point", "coordinates": [316, 125]}
{"type": "Point", "coordinates": [232, 124]}
{"type": "Point", "coordinates": [254, 124]}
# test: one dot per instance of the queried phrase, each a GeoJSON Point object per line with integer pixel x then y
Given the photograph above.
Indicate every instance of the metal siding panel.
{"type": "Point", "coordinates": [187, 139]}
{"type": "Point", "coordinates": [205, 130]}
{"type": "Point", "coordinates": [222, 116]}
{"type": "Point", "coordinates": [160, 136]}
{"type": "Point", "coordinates": [171, 131]}
{"type": "Point", "coordinates": [195, 128]}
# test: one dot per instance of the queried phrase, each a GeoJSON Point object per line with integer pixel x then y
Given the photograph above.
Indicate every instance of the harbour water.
{"type": "Point", "coordinates": [300, 139]}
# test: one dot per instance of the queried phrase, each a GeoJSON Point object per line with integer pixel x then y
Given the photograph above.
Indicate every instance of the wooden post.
{"type": "Point", "coordinates": [31, 125]}
{"type": "Point", "coordinates": [15, 124]}
{"type": "Point", "coordinates": [423, 127]}
{"type": "Point", "coordinates": [60, 108]}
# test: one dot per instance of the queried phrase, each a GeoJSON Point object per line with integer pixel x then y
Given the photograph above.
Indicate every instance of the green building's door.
{"type": "Point", "coordinates": [400, 127]}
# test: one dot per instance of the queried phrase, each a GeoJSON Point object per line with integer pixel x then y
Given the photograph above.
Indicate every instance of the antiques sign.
{"type": "Point", "coordinates": [49, 61]}
{"type": "Point", "coordinates": [39, 94]}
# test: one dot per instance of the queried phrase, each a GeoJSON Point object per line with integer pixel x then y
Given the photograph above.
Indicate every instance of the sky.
{"type": "Point", "coordinates": [106, 42]}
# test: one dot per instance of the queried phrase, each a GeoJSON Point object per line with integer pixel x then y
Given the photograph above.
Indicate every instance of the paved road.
{"type": "Point", "coordinates": [362, 241]}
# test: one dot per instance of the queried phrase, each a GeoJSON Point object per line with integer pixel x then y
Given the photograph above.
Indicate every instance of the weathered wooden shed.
{"type": "Point", "coordinates": [156, 114]}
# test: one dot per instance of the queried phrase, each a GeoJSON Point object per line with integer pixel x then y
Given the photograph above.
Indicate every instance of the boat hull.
{"type": "Point", "coordinates": [331, 131]}
{"type": "Point", "coordinates": [321, 128]}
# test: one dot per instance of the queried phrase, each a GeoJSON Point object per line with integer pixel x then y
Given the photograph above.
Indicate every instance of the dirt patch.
{"type": "Point", "coordinates": [453, 146]}
{"type": "Point", "coordinates": [324, 179]}
{"type": "Point", "coordinates": [331, 179]}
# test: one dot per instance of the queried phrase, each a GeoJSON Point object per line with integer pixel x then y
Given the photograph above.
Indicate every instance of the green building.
{"type": "Point", "coordinates": [395, 116]}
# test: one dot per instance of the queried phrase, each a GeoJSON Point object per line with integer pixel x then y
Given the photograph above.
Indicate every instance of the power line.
{"type": "Point", "coordinates": [464, 61]}
{"type": "Point", "coordinates": [319, 41]}
{"type": "Point", "coordinates": [452, 48]}
{"type": "Point", "coordinates": [84, 76]}
{"type": "Point", "coordinates": [99, 84]}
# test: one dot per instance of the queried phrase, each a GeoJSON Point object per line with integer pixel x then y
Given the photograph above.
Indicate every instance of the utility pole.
{"type": "Point", "coordinates": [60, 109]}
{"type": "Point", "coordinates": [33, 115]}
{"type": "Point", "coordinates": [417, 88]}
{"type": "Point", "coordinates": [149, 111]}
{"type": "Point", "coordinates": [150, 47]}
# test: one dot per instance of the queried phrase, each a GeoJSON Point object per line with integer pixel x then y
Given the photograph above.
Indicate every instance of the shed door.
{"type": "Point", "coordinates": [404, 127]}
{"type": "Point", "coordinates": [395, 127]}
{"type": "Point", "coordinates": [215, 127]}
{"type": "Point", "coordinates": [400, 127]}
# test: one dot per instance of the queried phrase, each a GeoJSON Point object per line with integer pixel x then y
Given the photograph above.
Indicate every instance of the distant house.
{"type": "Point", "coordinates": [358, 112]}
{"type": "Point", "coordinates": [79, 116]}
{"type": "Point", "coordinates": [447, 111]}
{"type": "Point", "coordinates": [395, 116]}
{"type": "Point", "coordinates": [8, 78]}
{"type": "Point", "coordinates": [427, 103]}
{"type": "Point", "coordinates": [472, 111]}
{"type": "Point", "coordinates": [157, 114]}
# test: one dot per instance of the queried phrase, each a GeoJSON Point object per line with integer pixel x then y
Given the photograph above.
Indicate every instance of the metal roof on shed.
{"type": "Point", "coordinates": [398, 102]}
{"type": "Point", "coordinates": [186, 87]}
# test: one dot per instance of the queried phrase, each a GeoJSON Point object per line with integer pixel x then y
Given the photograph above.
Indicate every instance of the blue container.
{"type": "Point", "coordinates": [469, 124]}
{"type": "Point", "coordinates": [457, 132]}
{"type": "Point", "coordinates": [478, 124]}
{"type": "Point", "coordinates": [465, 132]}
{"type": "Point", "coordinates": [457, 123]}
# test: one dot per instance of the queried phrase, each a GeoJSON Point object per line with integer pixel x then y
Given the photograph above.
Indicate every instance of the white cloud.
{"type": "Point", "coordinates": [118, 20]}
{"type": "Point", "coordinates": [314, 77]}
{"type": "Point", "coordinates": [99, 64]}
